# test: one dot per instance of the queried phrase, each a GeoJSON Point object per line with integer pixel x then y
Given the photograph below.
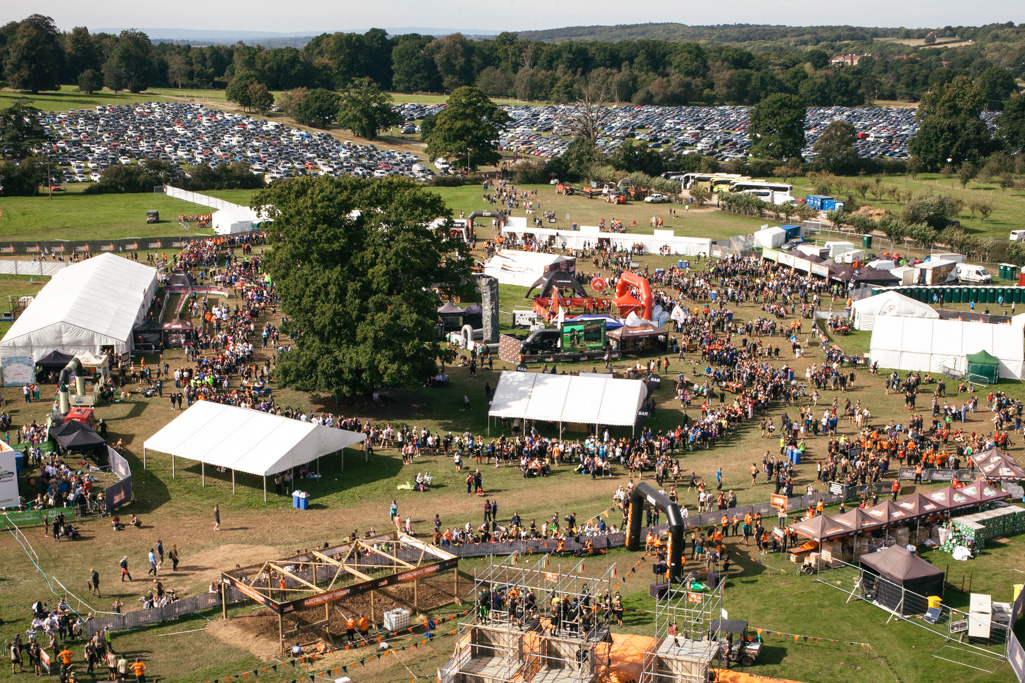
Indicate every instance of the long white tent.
{"type": "Point", "coordinates": [523, 268]}
{"type": "Point", "coordinates": [565, 398]}
{"type": "Point", "coordinates": [940, 345]}
{"type": "Point", "coordinates": [85, 307]}
{"type": "Point", "coordinates": [892, 304]}
{"type": "Point", "coordinates": [246, 440]}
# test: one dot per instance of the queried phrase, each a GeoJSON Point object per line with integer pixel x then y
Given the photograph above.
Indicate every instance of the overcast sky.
{"type": "Point", "coordinates": [319, 16]}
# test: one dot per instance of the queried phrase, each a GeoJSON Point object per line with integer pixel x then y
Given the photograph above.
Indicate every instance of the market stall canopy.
{"type": "Point", "coordinates": [919, 505]}
{"type": "Point", "coordinates": [998, 465]}
{"type": "Point", "coordinates": [887, 512]}
{"type": "Point", "coordinates": [449, 309]}
{"type": "Point", "coordinates": [857, 520]}
{"type": "Point", "coordinates": [984, 365]}
{"type": "Point", "coordinates": [901, 566]}
{"type": "Point", "coordinates": [55, 360]}
{"type": "Point", "coordinates": [247, 440]}
{"type": "Point", "coordinates": [981, 492]}
{"type": "Point", "coordinates": [75, 435]}
{"type": "Point", "coordinates": [565, 398]}
{"type": "Point", "coordinates": [819, 528]}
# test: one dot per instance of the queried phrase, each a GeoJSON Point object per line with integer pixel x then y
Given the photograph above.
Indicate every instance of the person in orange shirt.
{"type": "Point", "coordinates": [65, 656]}
{"type": "Point", "coordinates": [350, 629]}
{"type": "Point", "coordinates": [364, 626]}
{"type": "Point", "coordinates": [139, 669]}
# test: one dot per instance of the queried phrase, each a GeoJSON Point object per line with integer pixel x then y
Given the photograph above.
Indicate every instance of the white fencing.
{"type": "Point", "coordinates": [197, 198]}
{"type": "Point", "coordinates": [45, 268]}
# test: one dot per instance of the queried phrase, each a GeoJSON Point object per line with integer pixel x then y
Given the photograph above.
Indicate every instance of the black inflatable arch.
{"type": "Point", "coordinates": [641, 494]}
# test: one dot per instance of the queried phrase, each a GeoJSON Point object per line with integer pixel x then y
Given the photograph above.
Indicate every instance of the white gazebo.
{"type": "Point", "coordinates": [597, 400]}
{"type": "Point", "coordinates": [245, 440]}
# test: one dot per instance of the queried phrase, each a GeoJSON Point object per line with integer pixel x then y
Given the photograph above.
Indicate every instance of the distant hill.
{"type": "Point", "coordinates": [724, 33]}
{"type": "Point", "coordinates": [272, 39]}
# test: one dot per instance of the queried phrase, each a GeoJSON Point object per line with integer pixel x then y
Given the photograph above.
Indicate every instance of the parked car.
{"type": "Point", "coordinates": [656, 199]}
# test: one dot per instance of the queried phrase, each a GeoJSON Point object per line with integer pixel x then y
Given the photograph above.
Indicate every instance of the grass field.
{"type": "Point", "coordinates": [177, 509]}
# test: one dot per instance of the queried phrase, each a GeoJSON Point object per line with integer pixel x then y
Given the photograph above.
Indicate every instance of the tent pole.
{"type": "Point", "coordinates": [265, 488]}
{"type": "Point", "coordinates": [202, 471]}
{"type": "Point", "coordinates": [172, 466]}
{"type": "Point", "coordinates": [143, 457]}
{"type": "Point", "coordinates": [232, 481]}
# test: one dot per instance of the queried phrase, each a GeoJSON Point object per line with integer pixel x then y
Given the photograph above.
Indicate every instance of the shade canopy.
{"type": "Point", "coordinates": [998, 465]}
{"type": "Point", "coordinates": [819, 528]}
{"type": "Point", "coordinates": [247, 440]}
{"type": "Point", "coordinates": [900, 565]}
{"type": "Point", "coordinates": [73, 435]}
{"type": "Point", "coordinates": [564, 398]}
{"type": "Point", "coordinates": [891, 303]}
{"type": "Point", "coordinates": [857, 520]}
{"type": "Point", "coordinates": [55, 360]}
{"type": "Point", "coordinates": [983, 366]}
{"type": "Point", "coordinates": [85, 307]}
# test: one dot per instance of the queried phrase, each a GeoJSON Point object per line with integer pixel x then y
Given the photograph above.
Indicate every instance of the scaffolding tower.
{"type": "Point", "coordinates": [560, 636]}
{"type": "Point", "coordinates": [687, 636]}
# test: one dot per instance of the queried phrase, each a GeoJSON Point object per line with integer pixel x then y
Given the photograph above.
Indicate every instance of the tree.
{"type": "Point", "coordinates": [238, 89]}
{"type": "Point", "coordinates": [1011, 124]}
{"type": "Point", "coordinates": [835, 151]}
{"type": "Point", "coordinates": [413, 68]}
{"type": "Point", "coordinates": [468, 127]}
{"type": "Point", "coordinates": [20, 129]}
{"type": "Point", "coordinates": [365, 110]}
{"type": "Point", "coordinates": [89, 81]}
{"type": "Point", "coordinates": [22, 178]}
{"type": "Point", "coordinates": [114, 76]}
{"type": "Point", "coordinates": [333, 265]}
{"type": "Point", "coordinates": [35, 57]}
{"type": "Point", "coordinates": [932, 210]}
{"type": "Point", "coordinates": [966, 173]}
{"type": "Point", "coordinates": [997, 86]}
{"type": "Point", "coordinates": [133, 58]}
{"type": "Point", "coordinates": [291, 99]}
{"type": "Point", "coordinates": [260, 97]}
{"type": "Point", "coordinates": [777, 127]}
{"type": "Point", "coordinates": [590, 113]}
{"type": "Point", "coordinates": [634, 156]}
{"type": "Point", "coordinates": [317, 109]}
{"type": "Point", "coordinates": [949, 128]}
{"type": "Point", "coordinates": [80, 53]}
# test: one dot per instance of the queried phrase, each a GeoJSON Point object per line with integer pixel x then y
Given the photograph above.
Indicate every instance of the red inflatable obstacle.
{"type": "Point", "coordinates": [627, 302]}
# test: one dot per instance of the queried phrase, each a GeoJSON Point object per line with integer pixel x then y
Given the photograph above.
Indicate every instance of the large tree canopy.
{"type": "Point", "coordinates": [835, 151]}
{"type": "Point", "coordinates": [20, 129]}
{"type": "Point", "coordinates": [468, 127]}
{"type": "Point", "coordinates": [777, 127]}
{"type": "Point", "coordinates": [354, 266]}
{"type": "Point", "coordinates": [949, 127]}
{"type": "Point", "coordinates": [35, 59]}
{"type": "Point", "coordinates": [365, 110]}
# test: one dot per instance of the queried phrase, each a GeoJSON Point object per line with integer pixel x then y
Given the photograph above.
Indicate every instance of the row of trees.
{"type": "Point", "coordinates": [35, 56]}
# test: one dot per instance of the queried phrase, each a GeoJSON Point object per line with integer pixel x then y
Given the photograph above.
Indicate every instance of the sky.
{"type": "Point", "coordinates": [320, 16]}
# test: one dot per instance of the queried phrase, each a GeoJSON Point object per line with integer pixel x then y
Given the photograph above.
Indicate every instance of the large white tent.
{"type": "Point", "coordinates": [598, 400]}
{"type": "Point", "coordinates": [929, 345]}
{"type": "Point", "coordinates": [85, 307]}
{"type": "Point", "coordinates": [524, 268]}
{"type": "Point", "coordinates": [678, 245]}
{"type": "Point", "coordinates": [246, 440]}
{"type": "Point", "coordinates": [234, 219]}
{"type": "Point", "coordinates": [890, 303]}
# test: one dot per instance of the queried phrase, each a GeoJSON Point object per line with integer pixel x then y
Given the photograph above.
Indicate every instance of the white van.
{"type": "Point", "coordinates": [977, 274]}
{"type": "Point", "coordinates": [441, 164]}
{"type": "Point", "coordinates": [1018, 235]}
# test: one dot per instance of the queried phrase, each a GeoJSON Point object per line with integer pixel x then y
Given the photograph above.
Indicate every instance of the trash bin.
{"type": "Point", "coordinates": [301, 500]}
{"type": "Point", "coordinates": [866, 241]}
{"type": "Point", "coordinates": [714, 295]}
{"type": "Point", "coordinates": [934, 601]}
{"type": "Point", "coordinates": [679, 264]}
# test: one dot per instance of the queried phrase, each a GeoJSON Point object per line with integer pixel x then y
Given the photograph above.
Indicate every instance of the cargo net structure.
{"type": "Point", "coordinates": [533, 623]}
{"type": "Point", "coordinates": [976, 638]}
{"type": "Point", "coordinates": [304, 587]}
{"type": "Point", "coordinates": [686, 634]}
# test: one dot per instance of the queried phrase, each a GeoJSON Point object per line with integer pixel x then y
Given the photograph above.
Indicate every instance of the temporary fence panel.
{"type": "Point", "coordinates": [1016, 657]}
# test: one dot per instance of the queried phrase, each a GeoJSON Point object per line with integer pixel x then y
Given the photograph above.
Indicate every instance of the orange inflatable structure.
{"type": "Point", "coordinates": [627, 302]}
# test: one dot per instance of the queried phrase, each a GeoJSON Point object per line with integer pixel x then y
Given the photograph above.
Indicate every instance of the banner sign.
{"type": "Point", "coordinates": [18, 371]}
{"type": "Point", "coordinates": [9, 496]}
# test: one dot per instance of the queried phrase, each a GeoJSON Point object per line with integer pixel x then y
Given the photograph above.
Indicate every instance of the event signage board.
{"type": "Point", "coordinates": [587, 335]}
{"type": "Point", "coordinates": [18, 371]}
{"type": "Point", "coordinates": [933, 474]}
{"type": "Point", "coordinates": [959, 626]}
{"type": "Point", "coordinates": [9, 496]}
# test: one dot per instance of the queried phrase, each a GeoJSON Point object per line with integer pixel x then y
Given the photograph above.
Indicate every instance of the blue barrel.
{"type": "Point", "coordinates": [715, 295]}
{"type": "Point", "coordinates": [679, 264]}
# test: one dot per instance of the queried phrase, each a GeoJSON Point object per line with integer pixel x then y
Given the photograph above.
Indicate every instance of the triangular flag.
{"type": "Point", "coordinates": [795, 638]}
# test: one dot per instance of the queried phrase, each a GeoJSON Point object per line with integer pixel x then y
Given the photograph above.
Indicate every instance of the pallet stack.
{"type": "Point", "coordinates": [982, 526]}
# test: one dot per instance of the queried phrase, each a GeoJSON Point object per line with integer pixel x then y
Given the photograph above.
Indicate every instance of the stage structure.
{"type": "Point", "coordinates": [686, 636]}
{"type": "Point", "coordinates": [553, 643]}
{"type": "Point", "coordinates": [327, 575]}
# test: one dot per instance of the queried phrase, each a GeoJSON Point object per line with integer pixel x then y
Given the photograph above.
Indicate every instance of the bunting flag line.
{"type": "Point", "coordinates": [764, 633]}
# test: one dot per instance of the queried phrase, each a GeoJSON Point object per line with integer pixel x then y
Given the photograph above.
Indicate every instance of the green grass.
{"type": "Point", "coordinates": [68, 97]}
{"type": "Point", "coordinates": [73, 215]}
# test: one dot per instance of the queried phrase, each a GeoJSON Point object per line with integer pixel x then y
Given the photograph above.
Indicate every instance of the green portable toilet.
{"type": "Point", "coordinates": [991, 295]}
{"type": "Point", "coordinates": [973, 294]}
{"type": "Point", "coordinates": [1016, 294]}
{"type": "Point", "coordinates": [983, 366]}
{"type": "Point", "coordinates": [948, 295]}
{"type": "Point", "coordinates": [866, 241]}
{"type": "Point", "coordinates": [955, 295]}
{"type": "Point", "coordinates": [1002, 270]}
{"type": "Point", "coordinates": [1012, 272]}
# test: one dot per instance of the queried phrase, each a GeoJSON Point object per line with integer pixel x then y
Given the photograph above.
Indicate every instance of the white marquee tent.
{"type": "Point", "coordinates": [246, 440]}
{"type": "Point", "coordinates": [678, 245]}
{"type": "Point", "coordinates": [84, 307]}
{"type": "Point", "coordinates": [599, 400]}
{"type": "Point", "coordinates": [930, 345]}
{"type": "Point", "coordinates": [523, 268]}
{"type": "Point", "coordinates": [891, 303]}
{"type": "Point", "coordinates": [234, 219]}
